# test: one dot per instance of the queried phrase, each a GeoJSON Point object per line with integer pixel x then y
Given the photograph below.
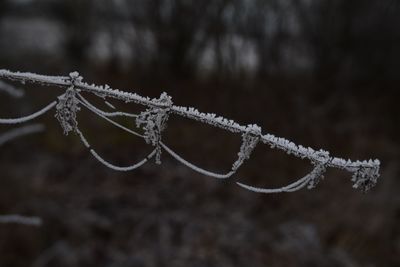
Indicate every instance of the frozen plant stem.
{"type": "Point", "coordinates": [154, 120]}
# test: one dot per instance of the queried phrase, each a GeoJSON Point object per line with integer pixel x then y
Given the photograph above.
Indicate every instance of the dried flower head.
{"type": "Point", "coordinates": [66, 110]}
{"type": "Point", "coordinates": [365, 178]}
{"type": "Point", "coordinates": [155, 120]}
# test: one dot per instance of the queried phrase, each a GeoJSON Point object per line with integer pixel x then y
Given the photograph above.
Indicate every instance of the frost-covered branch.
{"type": "Point", "coordinates": [153, 121]}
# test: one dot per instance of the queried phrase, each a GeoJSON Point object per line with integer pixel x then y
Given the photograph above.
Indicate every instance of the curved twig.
{"type": "Point", "coordinates": [295, 186]}
{"type": "Point", "coordinates": [111, 121]}
{"type": "Point", "coordinates": [194, 167]}
{"type": "Point", "coordinates": [110, 165]}
{"type": "Point", "coordinates": [104, 113]}
{"type": "Point", "coordinates": [29, 117]}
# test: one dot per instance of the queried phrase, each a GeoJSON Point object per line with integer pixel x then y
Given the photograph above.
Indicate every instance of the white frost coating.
{"type": "Point", "coordinates": [209, 118]}
{"type": "Point", "coordinates": [15, 133]}
{"type": "Point", "coordinates": [365, 178]}
{"type": "Point", "coordinates": [29, 117]}
{"type": "Point", "coordinates": [194, 167]}
{"type": "Point", "coordinates": [122, 169]}
{"type": "Point", "coordinates": [11, 90]}
{"type": "Point", "coordinates": [250, 140]}
{"type": "Point", "coordinates": [154, 121]}
{"type": "Point", "coordinates": [309, 179]}
{"type": "Point", "coordinates": [365, 173]}
{"type": "Point", "coordinates": [19, 219]}
{"type": "Point", "coordinates": [104, 113]}
{"type": "Point", "coordinates": [111, 121]}
{"type": "Point", "coordinates": [24, 77]}
{"type": "Point", "coordinates": [109, 165]}
{"type": "Point", "coordinates": [83, 138]}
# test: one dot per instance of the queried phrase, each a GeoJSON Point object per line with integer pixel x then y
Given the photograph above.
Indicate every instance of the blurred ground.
{"type": "Point", "coordinates": [167, 215]}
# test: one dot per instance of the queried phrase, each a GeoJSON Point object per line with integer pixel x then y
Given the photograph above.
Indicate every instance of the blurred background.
{"type": "Point", "coordinates": [322, 73]}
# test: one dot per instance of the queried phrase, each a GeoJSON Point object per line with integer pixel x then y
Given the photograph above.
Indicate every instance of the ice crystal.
{"type": "Point", "coordinates": [317, 174]}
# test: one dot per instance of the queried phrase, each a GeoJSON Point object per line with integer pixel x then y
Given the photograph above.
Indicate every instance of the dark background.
{"type": "Point", "coordinates": [322, 73]}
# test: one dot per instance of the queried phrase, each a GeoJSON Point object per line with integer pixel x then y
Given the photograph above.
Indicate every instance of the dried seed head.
{"type": "Point", "coordinates": [66, 110]}
{"type": "Point", "coordinates": [365, 178]}
{"type": "Point", "coordinates": [155, 120]}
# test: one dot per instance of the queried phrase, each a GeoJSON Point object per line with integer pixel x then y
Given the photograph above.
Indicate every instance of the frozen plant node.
{"type": "Point", "coordinates": [66, 110]}
{"type": "Point", "coordinates": [154, 121]}
{"type": "Point", "coordinates": [320, 169]}
{"type": "Point", "coordinates": [250, 140]}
